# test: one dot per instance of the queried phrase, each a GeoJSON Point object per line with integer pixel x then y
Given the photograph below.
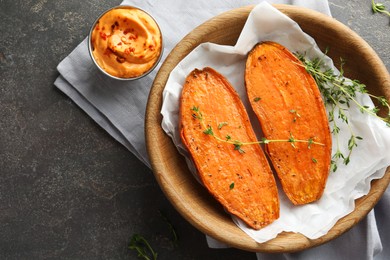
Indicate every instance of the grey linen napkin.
{"type": "Point", "coordinates": [119, 108]}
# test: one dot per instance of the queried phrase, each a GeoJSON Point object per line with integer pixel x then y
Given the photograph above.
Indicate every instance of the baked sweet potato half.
{"type": "Point", "coordinates": [239, 177]}
{"type": "Point", "coordinates": [289, 106]}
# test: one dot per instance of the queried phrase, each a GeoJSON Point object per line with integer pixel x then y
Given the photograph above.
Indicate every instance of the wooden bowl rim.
{"type": "Point", "coordinates": [160, 161]}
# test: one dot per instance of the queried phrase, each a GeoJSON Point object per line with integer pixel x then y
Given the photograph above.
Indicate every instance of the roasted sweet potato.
{"type": "Point", "coordinates": [289, 106]}
{"type": "Point", "coordinates": [239, 177]}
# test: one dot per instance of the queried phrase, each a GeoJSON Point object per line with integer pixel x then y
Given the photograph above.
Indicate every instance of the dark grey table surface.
{"type": "Point", "coordinates": [67, 189]}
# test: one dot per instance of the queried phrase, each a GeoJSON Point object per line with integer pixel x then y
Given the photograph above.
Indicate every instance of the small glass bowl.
{"type": "Point", "coordinates": [90, 47]}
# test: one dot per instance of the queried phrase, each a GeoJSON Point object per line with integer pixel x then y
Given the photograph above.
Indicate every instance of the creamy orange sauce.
{"type": "Point", "coordinates": [126, 42]}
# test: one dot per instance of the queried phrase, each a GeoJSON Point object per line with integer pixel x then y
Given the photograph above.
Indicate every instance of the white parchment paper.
{"type": "Point", "coordinates": [369, 160]}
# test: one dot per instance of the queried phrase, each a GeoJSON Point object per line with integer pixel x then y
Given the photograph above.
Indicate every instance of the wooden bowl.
{"type": "Point", "coordinates": [170, 169]}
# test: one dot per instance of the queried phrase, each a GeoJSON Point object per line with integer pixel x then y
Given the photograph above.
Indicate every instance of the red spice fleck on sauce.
{"type": "Point", "coordinates": [120, 59]}
{"type": "Point", "coordinates": [128, 30]}
{"type": "Point", "coordinates": [129, 50]}
{"type": "Point", "coordinates": [103, 35]}
{"type": "Point", "coordinates": [151, 47]}
{"type": "Point", "coordinates": [133, 37]}
{"type": "Point", "coordinates": [120, 43]}
{"type": "Point", "coordinates": [107, 52]}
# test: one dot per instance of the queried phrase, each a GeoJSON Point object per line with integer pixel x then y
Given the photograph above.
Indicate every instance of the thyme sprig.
{"type": "Point", "coordinates": [143, 248]}
{"type": "Point", "coordinates": [338, 94]}
{"type": "Point", "coordinates": [379, 8]}
{"type": "Point", "coordinates": [338, 90]}
{"type": "Point", "coordinates": [208, 130]}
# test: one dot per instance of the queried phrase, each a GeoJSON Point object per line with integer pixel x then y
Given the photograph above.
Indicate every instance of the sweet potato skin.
{"type": "Point", "coordinates": [241, 181]}
{"type": "Point", "coordinates": [288, 104]}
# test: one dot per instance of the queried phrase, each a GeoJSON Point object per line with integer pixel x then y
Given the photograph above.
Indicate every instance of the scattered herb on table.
{"type": "Point", "coordinates": [143, 248]}
{"type": "Point", "coordinates": [379, 8]}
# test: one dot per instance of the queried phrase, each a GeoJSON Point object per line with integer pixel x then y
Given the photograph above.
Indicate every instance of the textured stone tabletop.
{"type": "Point", "coordinates": [68, 190]}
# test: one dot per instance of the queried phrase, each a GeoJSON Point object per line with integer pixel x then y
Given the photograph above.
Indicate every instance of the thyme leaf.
{"type": "Point", "coordinates": [237, 146]}
{"type": "Point", "coordinates": [220, 125]}
{"type": "Point", "coordinates": [310, 141]}
{"type": "Point", "coordinates": [209, 131]}
{"type": "Point", "coordinates": [265, 140]}
{"type": "Point", "coordinates": [295, 113]}
{"type": "Point", "coordinates": [292, 140]}
{"type": "Point", "coordinates": [197, 114]}
{"type": "Point", "coordinates": [143, 248]}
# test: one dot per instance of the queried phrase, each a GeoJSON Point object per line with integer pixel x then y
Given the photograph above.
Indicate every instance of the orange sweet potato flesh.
{"type": "Point", "coordinates": [241, 180]}
{"type": "Point", "coordinates": [288, 104]}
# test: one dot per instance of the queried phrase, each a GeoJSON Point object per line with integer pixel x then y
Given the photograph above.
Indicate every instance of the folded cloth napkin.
{"type": "Point", "coordinates": [119, 108]}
